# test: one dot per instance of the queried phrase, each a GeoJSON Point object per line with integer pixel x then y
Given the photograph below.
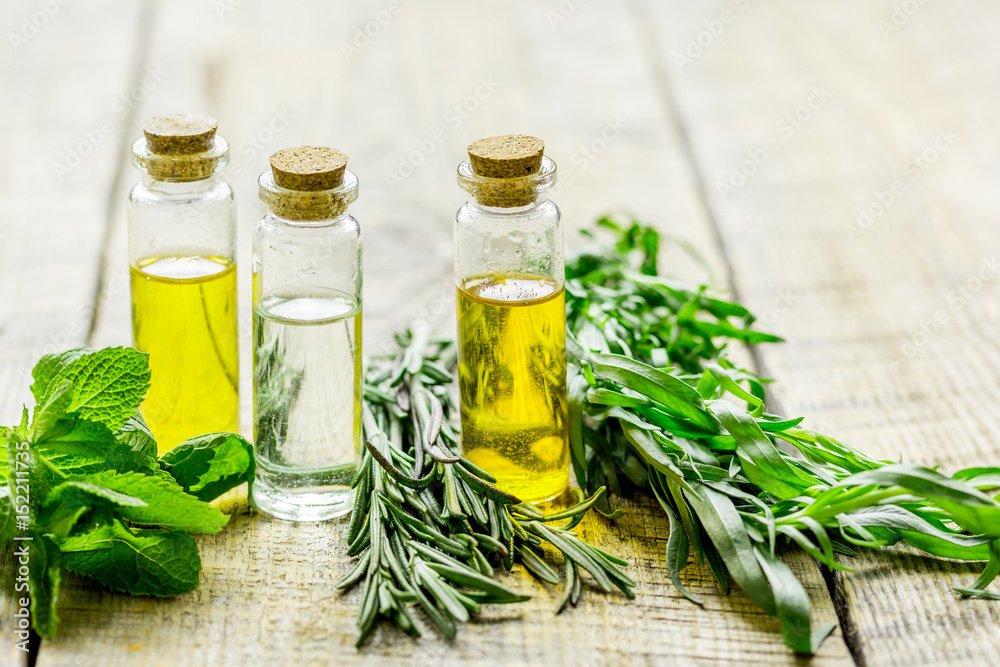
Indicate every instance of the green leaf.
{"type": "Point", "coordinates": [762, 463]}
{"type": "Point", "coordinates": [44, 578]}
{"type": "Point", "coordinates": [50, 367]}
{"type": "Point", "coordinates": [167, 505]}
{"type": "Point", "coordinates": [655, 384]}
{"type": "Point", "coordinates": [921, 533]}
{"type": "Point", "coordinates": [971, 508]}
{"type": "Point", "coordinates": [80, 446]}
{"type": "Point", "coordinates": [724, 526]}
{"type": "Point", "coordinates": [209, 465]}
{"type": "Point", "coordinates": [678, 549]}
{"type": "Point", "coordinates": [76, 504]}
{"type": "Point", "coordinates": [48, 414]}
{"type": "Point", "coordinates": [650, 450]}
{"type": "Point", "coordinates": [136, 434]}
{"type": "Point", "coordinates": [475, 580]}
{"type": "Point", "coordinates": [107, 385]}
{"type": "Point", "coordinates": [8, 518]}
{"type": "Point", "coordinates": [792, 603]}
{"type": "Point", "coordinates": [991, 571]}
{"type": "Point", "coordinates": [140, 562]}
{"type": "Point", "coordinates": [977, 593]}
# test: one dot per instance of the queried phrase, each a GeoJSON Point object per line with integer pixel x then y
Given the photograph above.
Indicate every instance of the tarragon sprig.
{"type": "Point", "coordinates": [661, 408]}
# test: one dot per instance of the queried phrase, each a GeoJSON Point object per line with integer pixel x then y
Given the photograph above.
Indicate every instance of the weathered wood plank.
{"type": "Point", "coordinates": [855, 296]}
{"type": "Point", "coordinates": [66, 76]}
{"type": "Point", "coordinates": [266, 593]}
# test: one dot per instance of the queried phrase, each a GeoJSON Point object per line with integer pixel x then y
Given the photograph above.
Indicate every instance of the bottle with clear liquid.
{"type": "Point", "coordinates": [510, 276]}
{"type": "Point", "coordinates": [182, 257]}
{"type": "Point", "coordinates": [307, 336]}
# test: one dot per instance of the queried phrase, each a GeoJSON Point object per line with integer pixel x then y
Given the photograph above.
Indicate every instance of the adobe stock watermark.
{"type": "Point", "coordinates": [252, 145]}
{"type": "Point", "coordinates": [364, 34]}
{"type": "Point", "coordinates": [901, 14]}
{"type": "Point", "coordinates": [68, 336]}
{"type": "Point", "coordinates": [32, 24]}
{"type": "Point", "coordinates": [956, 299]}
{"type": "Point", "coordinates": [425, 146]}
{"type": "Point", "coordinates": [223, 7]}
{"type": "Point", "coordinates": [912, 169]}
{"type": "Point", "coordinates": [21, 488]}
{"type": "Point", "coordinates": [121, 107]}
{"type": "Point", "coordinates": [782, 302]}
{"type": "Point", "coordinates": [784, 129]}
{"type": "Point", "coordinates": [562, 12]}
{"type": "Point", "coordinates": [588, 153]}
{"type": "Point", "coordinates": [712, 29]}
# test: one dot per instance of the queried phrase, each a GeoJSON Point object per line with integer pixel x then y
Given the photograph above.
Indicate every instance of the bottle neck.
{"type": "Point", "coordinates": [340, 218]}
{"type": "Point", "coordinates": [523, 209]}
{"type": "Point", "coordinates": [184, 188]}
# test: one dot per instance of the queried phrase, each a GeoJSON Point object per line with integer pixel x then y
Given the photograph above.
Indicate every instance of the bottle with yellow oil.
{"type": "Point", "coordinates": [307, 336]}
{"type": "Point", "coordinates": [182, 257]}
{"type": "Point", "coordinates": [509, 271]}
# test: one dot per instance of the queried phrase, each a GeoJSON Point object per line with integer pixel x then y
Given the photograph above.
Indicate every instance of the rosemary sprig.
{"type": "Point", "coordinates": [428, 526]}
{"type": "Point", "coordinates": [653, 388]}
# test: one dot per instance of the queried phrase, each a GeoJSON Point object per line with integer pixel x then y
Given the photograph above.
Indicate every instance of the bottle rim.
{"type": "Point", "coordinates": [507, 190]}
{"type": "Point", "coordinates": [307, 204]}
{"type": "Point", "coordinates": [181, 168]}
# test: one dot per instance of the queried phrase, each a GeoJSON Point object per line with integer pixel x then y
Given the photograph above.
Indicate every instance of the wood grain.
{"type": "Point", "coordinates": [865, 360]}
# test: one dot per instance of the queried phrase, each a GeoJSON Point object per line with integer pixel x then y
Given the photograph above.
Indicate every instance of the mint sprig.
{"type": "Point", "coordinates": [82, 489]}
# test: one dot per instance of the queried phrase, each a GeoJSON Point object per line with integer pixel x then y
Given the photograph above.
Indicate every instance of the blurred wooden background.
{"type": "Point", "coordinates": [836, 163]}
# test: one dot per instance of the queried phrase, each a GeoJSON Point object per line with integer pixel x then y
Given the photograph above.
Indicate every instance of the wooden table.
{"type": "Point", "coordinates": [836, 163]}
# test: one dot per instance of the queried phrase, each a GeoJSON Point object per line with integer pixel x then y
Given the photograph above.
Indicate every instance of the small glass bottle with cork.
{"type": "Point", "coordinates": [510, 275]}
{"type": "Point", "coordinates": [307, 336]}
{"type": "Point", "coordinates": [182, 256]}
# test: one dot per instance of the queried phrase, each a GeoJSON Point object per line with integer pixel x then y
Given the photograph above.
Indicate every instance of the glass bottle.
{"type": "Point", "coordinates": [509, 271]}
{"type": "Point", "coordinates": [307, 336]}
{"type": "Point", "coordinates": [182, 257]}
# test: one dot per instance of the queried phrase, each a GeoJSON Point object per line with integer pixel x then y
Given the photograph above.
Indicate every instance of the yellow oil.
{"type": "Point", "coordinates": [512, 381]}
{"type": "Point", "coordinates": [184, 316]}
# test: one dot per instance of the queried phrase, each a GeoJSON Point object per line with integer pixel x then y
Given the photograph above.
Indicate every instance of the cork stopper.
{"type": "Point", "coordinates": [180, 134]}
{"type": "Point", "coordinates": [506, 156]}
{"type": "Point", "coordinates": [180, 148]}
{"type": "Point", "coordinates": [507, 171]}
{"type": "Point", "coordinates": [308, 183]}
{"type": "Point", "coordinates": [309, 168]}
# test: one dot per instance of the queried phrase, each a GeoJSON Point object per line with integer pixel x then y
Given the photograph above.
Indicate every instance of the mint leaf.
{"type": "Point", "coordinates": [137, 436]}
{"type": "Point", "coordinates": [209, 465]}
{"type": "Point", "coordinates": [51, 366]}
{"type": "Point", "coordinates": [79, 505]}
{"type": "Point", "coordinates": [4, 461]}
{"type": "Point", "coordinates": [108, 385]}
{"type": "Point", "coordinates": [140, 562]}
{"type": "Point", "coordinates": [41, 476]}
{"type": "Point", "coordinates": [44, 578]}
{"type": "Point", "coordinates": [7, 526]}
{"type": "Point", "coordinates": [80, 446]}
{"type": "Point", "coordinates": [167, 505]}
{"type": "Point", "coordinates": [48, 414]}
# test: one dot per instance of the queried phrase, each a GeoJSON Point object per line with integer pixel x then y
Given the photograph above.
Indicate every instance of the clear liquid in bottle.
{"type": "Point", "coordinates": [307, 403]}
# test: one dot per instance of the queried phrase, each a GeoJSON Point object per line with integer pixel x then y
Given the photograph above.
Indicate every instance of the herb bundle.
{"type": "Point", "coordinates": [427, 522]}
{"type": "Point", "coordinates": [653, 407]}
{"type": "Point", "coordinates": [82, 489]}
{"type": "Point", "coordinates": [653, 393]}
